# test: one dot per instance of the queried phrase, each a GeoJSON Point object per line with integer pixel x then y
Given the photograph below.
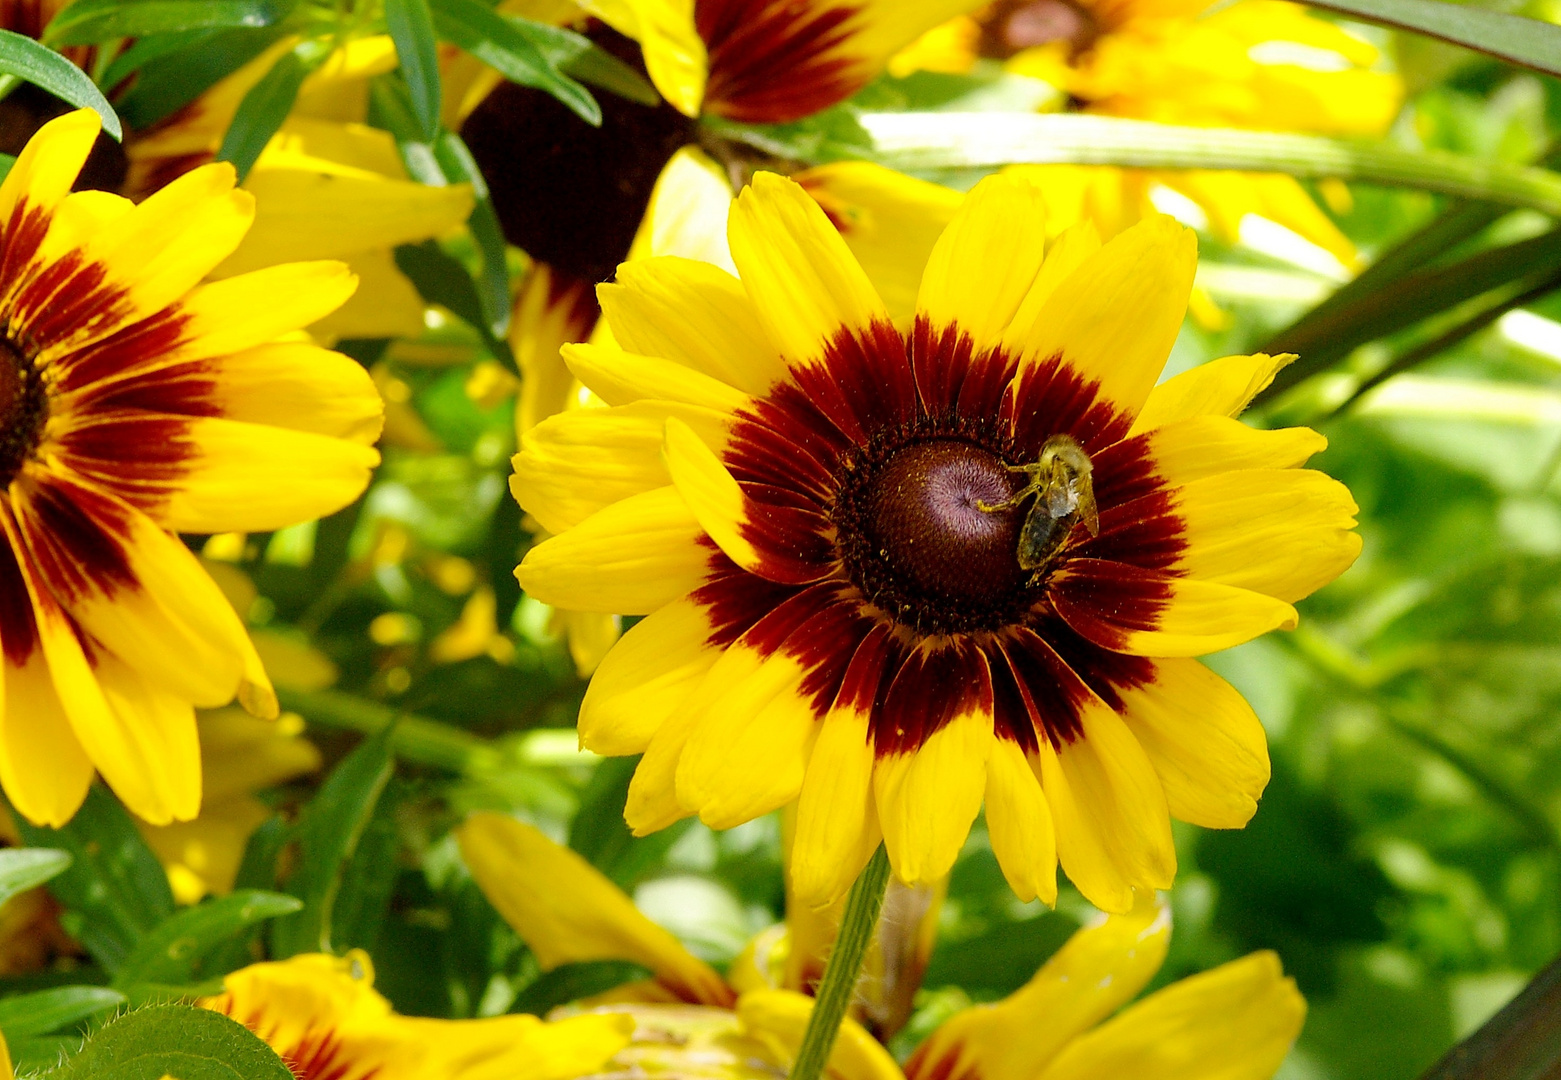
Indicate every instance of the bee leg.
{"type": "Point", "coordinates": [1012, 501]}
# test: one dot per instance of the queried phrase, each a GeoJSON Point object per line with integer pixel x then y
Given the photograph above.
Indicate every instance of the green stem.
{"type": "Point", "coordinates": [845, 965]}
{"type": "Point", "coordinates": [417, 738]}
{"type": "Point", "coordinates": [919, 141]}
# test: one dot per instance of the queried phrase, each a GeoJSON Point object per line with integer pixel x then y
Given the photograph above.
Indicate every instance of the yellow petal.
{"type": "Point", "coordinates": [386, 303]}
{"type": "Point", "coordinates": [674, 52]}
{"type": "Point", "coordinates": [1149, 613]}
{"type": "Point", "coordinates": [687, 213]}
{"type": "Point", "coordinates": [551, 310]}
{"type": "Point", "coordinates": [1020, 824]}
{"type": "Point", "coordinates": [781, 1016]}
{"type": "Point", "coordinates": [986, 260]}
{"type": "Point", "coordinates": [1203, 739]}
{"type": "Point", "coordinates": [694, 314]}
{"type": "Point", "coordinates": [648, 675]}
{"type": "Point", "coordinates": [805, 284]}
{"type": "Point", "coordinates": [562, 1049]}
{"type": "Point", "coordinates": [1113, 827]}
{"type": "Point", "coordinates": [1100, 968]}
{"type": "Point", "coordinates": [710, 492]}
{"type": "Point", "coordinates": [1222, 387]}
{"type": "Point", "coordinates": [1147, 270]}
{"type": "Point", "coordinates": [629, 558]}
{"type": "Point", "coordinates": [148, 750]}
{"type": "Point", "coordinates": [255, 477]}
{"type": "Point", "coordinates": [836, 813]}
{"type": "Point", "coordinates": [300, 387]}
{"type": "Point", "coordinates": [748, 750]}
{"type": "Point", "coordinates": [567, 911]}
{"type": "Point", "coordinates": [48, 164]}
{"type": "Point", "coordinates": [890, 222]}
{"type": "Point", "coordinates": [928, 798]}
{"type": "Point", "coordinates": [43, 767]}
{"type": "Point", "coordinates": [1200, 446]}
{"type": "Point", "coordinates": [619, 378]}
{"type": "Point", "coordinates": [1065, 255]}
{"type": "Point", "coordinates": [251, 309]}
{"type": "Point", "coordinates": [1284, 533]}
{"type": "Point", "coordinates": [1236, 1022]}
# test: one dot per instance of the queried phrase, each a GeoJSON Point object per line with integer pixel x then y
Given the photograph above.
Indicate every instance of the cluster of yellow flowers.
{"type": "Point", "coordinates": [885, 468]}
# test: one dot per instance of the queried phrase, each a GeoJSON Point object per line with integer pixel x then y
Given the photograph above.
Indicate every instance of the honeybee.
{"type": "Point", "coordinates": [1064, 495]}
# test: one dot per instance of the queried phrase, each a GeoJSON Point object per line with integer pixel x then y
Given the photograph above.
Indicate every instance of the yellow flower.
{"type": "Point", "coordinates": [852, 597]}
{"type": "Point", "coordinates": [324, 1018]}
{"type": "Point", "coordinates": [135, 403]}
{"type": "Point", "coordinates": [1236, 1022]}
{"type": "Point", "coordinates": [327, 186]}
{"type": "Point", "coordinates": [1260, 64]}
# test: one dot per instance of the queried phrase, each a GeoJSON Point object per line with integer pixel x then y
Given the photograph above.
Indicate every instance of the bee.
{"type": "Point", "coordinates": [1064, 495]}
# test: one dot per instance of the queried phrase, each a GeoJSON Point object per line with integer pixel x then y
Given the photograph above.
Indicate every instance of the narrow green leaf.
{"type": "Point", "coordinates": [43, 67]}
{"type": "Point", "coordinates": [168, 82]}
{"type": "Point", "coordinates": [412, 29]}
{"type": "Point", "coordinates": [507, 46]}
{"type": "Point", "coordinates": [266, 106]}
{"type": "Point", "coordinates": [173, 953]}
{"type": "Point", "coordinates": [1400, 304]}
{"type": "Point", "coordinates": [328, 832]}
{"type": "Point", "coordinates": [441, 279]}
{"type": "Point", "coordinates": [577, 55]}
{"type": "Point", "coordinates": [43, 1011]}
{"type": "Point", "coordinates": [369, 878]}
{"type": "Point", "coordinates": [87, 22]}
{"type": "Point", "coordinates": [1526, 42]}
{"type": "Point", "coordinates": [23, 868]}
{"type": "Point", "coordinates": [571, 982]}
{"type": "Point", "coordinates": [144, 51]}
{"type": "Point", "coordinates": [115, 889]}
{"type": "Point", "coordinates": [180, 1041]}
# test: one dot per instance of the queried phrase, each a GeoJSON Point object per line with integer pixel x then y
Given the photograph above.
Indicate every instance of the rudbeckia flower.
{"type": "Point", "coordinates": [893, 574]}
{"type": "Point", "coordinates": [134, 404]}
{"type": "Point", "coordinates": [323, 1017]}
{"type": "Point", "coordinates": [1261, 64]}
{"type": "Point", "coordinates": [1235, 1022]}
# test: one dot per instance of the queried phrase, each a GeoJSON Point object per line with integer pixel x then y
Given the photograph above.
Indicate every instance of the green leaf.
{"type": "Point", "coordinates": [173, 953]}
{"type": "Point", "coordinates": [1526, 42]}
{"type": "Point", "coordinates": [180, 1041]}
{"type": "Point", "coordinates": [328, 832]}
{"type": "Point", "coordinates": [23, 868]}
{"type": "Point", "coordinates": [115, 888]}
{"type": "Point", "coordinates": [170, 81]}
{"type": "Point", "coordinates": [369, 878]}
{"type": "Point", "coordinates": [510, 47]}
{"type": "Point", "coordinates": [144, 51]}
{"type": "Point", "coordinates": [571, 982]}
{"type": "Point", "coordinates": [1338, 330]}
{"type": "Point", "coordinates": [266, 106]}
{"type": "Point", "coordinates": [412, 29]}
{"type": "Point", "coordinates": [43, 67]}
{"type": "Point", "coordinates": [441, 279]}
{"type": "Point", "coordinates": [89, 21]}
{"type": "Point", "coordinates": [39, 1013]}
{"type": "Point", "coordinates": [579, 56]}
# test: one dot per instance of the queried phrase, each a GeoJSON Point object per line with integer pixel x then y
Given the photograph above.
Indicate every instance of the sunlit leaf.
{"type": "Point", "coordinates": [1529, 42]}
{"type": "Point", "coordinates": [174, 951]}
{"type": "Point", "coordinates": [180, 1041]}
{"type": "Point", "coordinates": [417, 49]}
{"type": "Point", "coordinates": [29, 61]}
{"type": "Point", "coordinates": [509, 47]}
{"type": "Point", "coordinates": [88, 21]}
{"type": "Point", "coordinates": [43, 1011]}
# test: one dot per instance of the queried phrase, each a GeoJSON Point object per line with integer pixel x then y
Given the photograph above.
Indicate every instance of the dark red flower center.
{"type": "Point", "coordinates": [926, 518]}
{"type": "Point", "coordinates": [24, 406]}
{"type": "Point", "coordinates": [1015, 26]}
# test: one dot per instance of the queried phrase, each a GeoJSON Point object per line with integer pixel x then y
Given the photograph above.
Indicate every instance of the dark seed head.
{"type": "Point", "coordinates": [925, 518]}
{"type": "Point", "coordinates": [1015, 26]}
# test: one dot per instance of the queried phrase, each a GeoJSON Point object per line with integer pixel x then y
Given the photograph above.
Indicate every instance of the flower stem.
{"type": "Point", "coordinates": [845, 964]}
{"type": "Point", "coordinates": [417, 738]}
{"type": "Point", "coordinates": [912, 141]}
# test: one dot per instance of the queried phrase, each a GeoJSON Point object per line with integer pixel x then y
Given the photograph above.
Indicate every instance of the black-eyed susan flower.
{"type": "Point", "coordinates": [1261, 64]}
{"type": "Point", "coordinates": [1235, 1022]}
{"type": "Point", "coordinates": [323, 1017]}
{"type": "Point", "coordinates": [136, 403]}
{"type": "Point", "coordinates": [832, 528]}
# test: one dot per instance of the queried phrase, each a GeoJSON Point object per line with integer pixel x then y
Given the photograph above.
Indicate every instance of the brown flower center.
{"type": "Point", "coordinates": [914, 539]}
{"type": "Point", "coordinates": [566, 193]}
{"type": "Point", "coordinates": [1015, 26]}
{"type": "Point", "coordinates": [24, 406]}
